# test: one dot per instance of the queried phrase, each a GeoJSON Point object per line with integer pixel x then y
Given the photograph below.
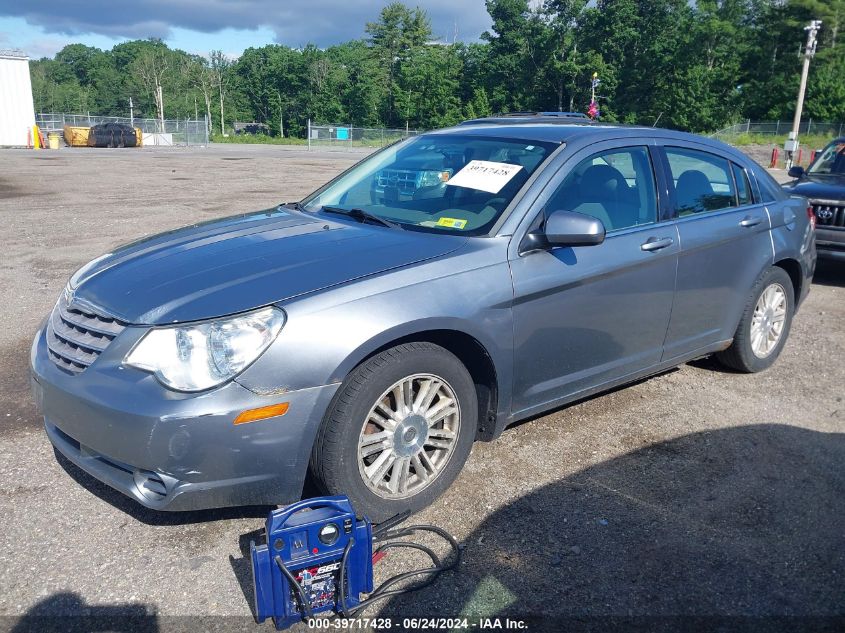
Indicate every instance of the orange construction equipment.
{"type": "Point", "coordinates": [774, 161]}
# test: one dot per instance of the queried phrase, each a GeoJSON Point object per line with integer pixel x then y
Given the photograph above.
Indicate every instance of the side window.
{"type": "Point", "coordinates": [743, 188]}
{"type": "Point", "coordinates": [703, 182]}
{"type": "Point", "coordinates": [616, 187]}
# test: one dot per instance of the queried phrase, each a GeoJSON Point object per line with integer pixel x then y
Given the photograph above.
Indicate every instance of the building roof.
{"type": "Point", "coordinates": [12, 53]}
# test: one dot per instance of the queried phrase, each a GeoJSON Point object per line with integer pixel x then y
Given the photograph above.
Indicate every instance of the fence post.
{"type": "Point", "coordinates": [777, 128]}
{"type": "Point", "coordinates": [748, 126]}
{"type": "Point", "coordinates": [809, 126]}
{"type": "Point", "coordinates": [840, 130]}
{"type": "Point", "coordinates": [205, 125]}
{"type": "Point", "coordinates": [309, 135]}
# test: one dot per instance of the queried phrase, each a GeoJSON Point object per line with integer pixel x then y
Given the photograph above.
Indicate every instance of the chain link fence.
{"type": "Point", "coordinates": [170, 132]}
{"type": "Point", "coordinates": [781, 128]}
{"type": "Point", "coordinates": [345, 137]}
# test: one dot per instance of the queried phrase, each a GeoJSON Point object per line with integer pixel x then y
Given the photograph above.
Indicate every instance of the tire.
{"type": "Point", "coordinates": [343, 458]}
{"type": "Point", "coordinates": [741, 355]}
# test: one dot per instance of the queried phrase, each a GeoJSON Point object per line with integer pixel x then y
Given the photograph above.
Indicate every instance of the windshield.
{"type": "Point", "coordinates": [831, 160]}
{"type": "Point", "coordinates": [451, 183]}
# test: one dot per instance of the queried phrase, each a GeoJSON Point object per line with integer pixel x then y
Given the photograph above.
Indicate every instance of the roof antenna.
{"type": "Point", "coordinates": [656, 120]}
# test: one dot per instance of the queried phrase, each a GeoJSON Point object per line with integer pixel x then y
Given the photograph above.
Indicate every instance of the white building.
{"type": "Point", "coordinates": [17, 114]}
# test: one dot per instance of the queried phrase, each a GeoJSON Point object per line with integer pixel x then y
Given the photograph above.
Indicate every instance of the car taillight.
{"type": "Point", "coordinates": [811, 216]}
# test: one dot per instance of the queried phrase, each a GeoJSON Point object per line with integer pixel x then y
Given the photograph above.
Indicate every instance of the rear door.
{"type": "Point", "coordinates": [725, 244]}
{"type": "Point", "coordinates": [587, 315]}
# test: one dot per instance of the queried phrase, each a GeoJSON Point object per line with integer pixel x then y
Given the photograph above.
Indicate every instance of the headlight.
{"type": "Point", "coordinates": [429, 178]}
{"type": "Point", "coordinates": [201, 356]}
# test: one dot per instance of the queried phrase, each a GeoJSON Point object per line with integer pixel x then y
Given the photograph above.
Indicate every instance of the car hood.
{"type": "Point", "coordinates": [819, 187]}
{"type": "Point", "coordinates": [235, 264]}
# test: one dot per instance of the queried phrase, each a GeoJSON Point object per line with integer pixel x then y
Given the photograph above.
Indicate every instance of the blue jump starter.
{"type": "Point", "coordinates": [297, 572]}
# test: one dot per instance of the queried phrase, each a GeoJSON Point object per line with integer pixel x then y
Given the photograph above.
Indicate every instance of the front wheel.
{"type": "Point", "coordinates": [765, 323]}
{"type": "Point", "coordinates": [399, 430]}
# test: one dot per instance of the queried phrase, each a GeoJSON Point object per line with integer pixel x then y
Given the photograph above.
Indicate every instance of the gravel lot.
{"type": "Point", "coordinates": [699, 492]}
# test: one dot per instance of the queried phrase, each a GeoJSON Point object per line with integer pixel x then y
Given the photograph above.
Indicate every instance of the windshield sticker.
{"type": "Point", "coordinates": [484, 175]}
{"type": "Point", "coordinates": [452, 223]}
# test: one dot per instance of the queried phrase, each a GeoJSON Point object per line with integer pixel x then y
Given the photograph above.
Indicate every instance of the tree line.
{"type": "Point", "coordinates": [696, 66]}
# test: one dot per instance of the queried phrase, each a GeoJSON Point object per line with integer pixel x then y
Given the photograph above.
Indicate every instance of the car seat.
{"type": "Point", "coordinates": [691, 192]}
{"type": "Point", "coordinates": [604, 194]}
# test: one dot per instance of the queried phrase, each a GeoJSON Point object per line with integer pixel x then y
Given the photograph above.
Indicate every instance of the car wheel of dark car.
{"type": "Point", "coordinates": [399, 431]}
{"type": "Point", "coordinates": [765, 323]}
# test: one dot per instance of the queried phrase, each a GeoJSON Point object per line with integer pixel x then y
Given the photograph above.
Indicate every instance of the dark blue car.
{"type": "Point", "coordinates": [823, 183]}
{"type": "Point", "coordinates": [435, 293]}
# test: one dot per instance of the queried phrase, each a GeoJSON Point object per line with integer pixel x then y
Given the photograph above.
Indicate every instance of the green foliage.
{"type": "Point", "coordinates": [691, 65]}
{"type": "Point", "coordinates": [808, 142]}
{"type": "Point", "coordinates": [395, 39]}
{"type": "Point", "coordinates": [256, 139]}
{"type": "Point", "coordinates": [428, 88]}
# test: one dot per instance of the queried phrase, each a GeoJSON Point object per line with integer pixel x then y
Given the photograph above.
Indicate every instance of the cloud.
{"type": "Point", "coordinates": [294, 22]}
{"type": "Point", "coordinates": [34, 48]}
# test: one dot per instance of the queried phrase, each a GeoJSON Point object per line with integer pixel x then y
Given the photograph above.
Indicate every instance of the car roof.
{"type": "Point", "coordinates": [543, 128]}
{"type": "Point", "coordinates": [530, 115]}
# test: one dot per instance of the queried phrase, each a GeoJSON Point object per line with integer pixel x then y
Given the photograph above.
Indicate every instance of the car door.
{"type": "Point", "coordinates": [725, 244]}
{"type": "Point", "coordinates": [587, 315]}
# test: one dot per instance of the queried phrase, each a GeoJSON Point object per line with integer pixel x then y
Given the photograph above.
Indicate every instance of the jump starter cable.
{"type": "Point", "coordinates": [381, 534]}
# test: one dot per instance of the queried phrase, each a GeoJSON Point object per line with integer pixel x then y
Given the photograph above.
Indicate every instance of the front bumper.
{"type": "Point", "coordinates": [175, 451]}
{"type": "Point", "coordinates": [830, 243]}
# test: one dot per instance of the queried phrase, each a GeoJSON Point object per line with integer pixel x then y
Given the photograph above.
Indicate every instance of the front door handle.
{"type": "Point", "coordinates": [656, 243]}
{"type": "Point", "coordinates": [749, 221]}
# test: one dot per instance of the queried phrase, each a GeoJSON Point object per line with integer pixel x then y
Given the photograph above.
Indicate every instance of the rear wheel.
{"type": "Point", "coordinates": [765, 324]}
{"type": "Point", "coordinates": [399, 430]}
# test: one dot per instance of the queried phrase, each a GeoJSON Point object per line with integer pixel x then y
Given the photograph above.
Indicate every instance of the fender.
{"type": "Point", "coordinates": [327, 334]}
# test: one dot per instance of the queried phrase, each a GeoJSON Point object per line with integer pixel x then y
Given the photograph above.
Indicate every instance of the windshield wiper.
{"type": "Point", "coordinates": [363, 216]}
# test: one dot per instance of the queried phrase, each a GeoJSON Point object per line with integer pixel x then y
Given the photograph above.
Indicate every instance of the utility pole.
{"type": "Point", "coordinates": [791, 145]}
{"type": "Point", "coordinates": [161, 107]}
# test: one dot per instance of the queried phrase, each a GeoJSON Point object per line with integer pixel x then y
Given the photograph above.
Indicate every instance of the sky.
{"type": "Point", "coordinates": [42, 27]}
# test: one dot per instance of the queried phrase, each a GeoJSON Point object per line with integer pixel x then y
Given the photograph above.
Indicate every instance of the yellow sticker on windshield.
{"type": "Point", "coordinates": [452, 223]}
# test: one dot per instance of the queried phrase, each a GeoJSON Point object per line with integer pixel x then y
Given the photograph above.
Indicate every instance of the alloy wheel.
{"type": "Point", "coordinates": [768, 320]}
{"type": "Point", "coordinates": [408, 436]}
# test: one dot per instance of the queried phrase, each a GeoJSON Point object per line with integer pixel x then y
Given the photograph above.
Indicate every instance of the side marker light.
{"type": "Point", "coordinates": [262, 413]}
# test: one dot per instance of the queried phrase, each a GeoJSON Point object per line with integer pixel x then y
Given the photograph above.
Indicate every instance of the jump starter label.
{"type": "Point", "coordinates": [318, 584]}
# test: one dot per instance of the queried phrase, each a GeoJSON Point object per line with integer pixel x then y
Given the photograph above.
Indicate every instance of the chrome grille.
{"type": "Point", "coordinates": [76, 336]}
{"type": "Point", "coordinates": [404, 180]}
{"type": "Point", "coordinates": [829, 214]}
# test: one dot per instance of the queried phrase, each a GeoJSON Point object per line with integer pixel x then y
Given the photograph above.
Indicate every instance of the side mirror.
{"type": "Point", "coordinates": [567, 228]}
{"type": "Point", "coordinates": [796, 171]}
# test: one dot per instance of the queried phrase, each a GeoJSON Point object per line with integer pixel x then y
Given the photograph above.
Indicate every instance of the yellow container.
{"type": "Point", "coordinates": [76, 136]}
{"type": "Point", "coordinates": [53, 140]}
